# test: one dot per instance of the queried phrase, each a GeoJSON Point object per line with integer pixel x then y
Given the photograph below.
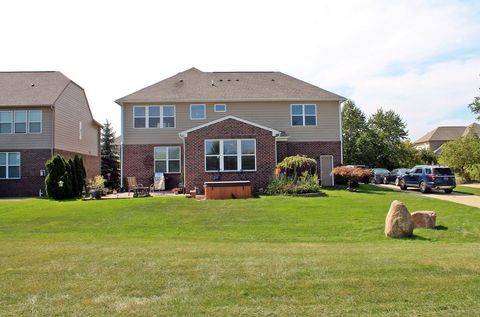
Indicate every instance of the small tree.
{"type": "Point", "coordinates": [55, 173]}
{"type": "Point", "coordinates": [351, 174]}
{"type": "Point", "coordinates": [475, 106]}
{"type": "Point", "coordinates": [110, 166]}
{"type": "Point", "coordinates": [75, 183]}
{"type": "Point", "coordinates": [296, 165]}
{"type": "Point", "coordinates": [80, 173]}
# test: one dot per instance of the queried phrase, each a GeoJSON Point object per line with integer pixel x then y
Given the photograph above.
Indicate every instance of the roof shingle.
{"type": "Point", "coordinates": [31, 88]}
{"type": "Point", "coordinates": [195, 85]}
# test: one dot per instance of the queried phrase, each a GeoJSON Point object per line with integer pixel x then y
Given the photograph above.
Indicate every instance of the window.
{"type": "Point", "coordinates": [197, 112]}
{"type": "Point", "coordinates": [167, 159]}
{"type": "Point", "coordinates": [9, 165]}
{"type": "Point", "coordinates": [20, 118]}
{"type": "Point", "coordinates": [5, 122]}
{"type": "Point", "coordinates": [154, 117]}
{"type": "Point", "coordinates": [230, 155]}
{"type": "Point", "coordinates": [304, 114]}
{"type": "Point", "coordinates": [35, 121]}
{"type": "Point", "coordinates": [220, 108]}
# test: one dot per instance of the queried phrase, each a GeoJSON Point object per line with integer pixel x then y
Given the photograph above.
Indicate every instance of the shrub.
{"type": "Point", "coordinates": [306, 183]}
{"type": "Point", "coordinates": [70, 172]}
{"type": "Point", "coordinates": [295, 165]}
{"type": "Point", "coordinates": [351, 174]}
{"type": "Point", "coordinates": [97, 183]}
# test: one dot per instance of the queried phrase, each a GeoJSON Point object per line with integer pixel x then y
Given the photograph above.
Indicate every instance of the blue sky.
{"type": "Point", "coordinates": [419, 58]}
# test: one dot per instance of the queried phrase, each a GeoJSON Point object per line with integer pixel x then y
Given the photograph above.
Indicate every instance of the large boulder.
{"type": "Point", "coordinates": [398, 223]}
{"type": "Point", "coordinates": [424, 219]}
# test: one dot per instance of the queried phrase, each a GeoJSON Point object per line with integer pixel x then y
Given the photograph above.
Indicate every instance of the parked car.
{"type": "Point", "coordinates": [378, 174]}
{"type": "Point", "coordinates": [428, 177]}
{"type": "Point", "coordinates": [394, 176]}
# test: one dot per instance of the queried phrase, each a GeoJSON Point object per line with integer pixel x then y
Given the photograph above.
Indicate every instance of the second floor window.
{"type": "Point", "coordinates": [304, 115]}
{"type": "Point", "coordinates": [21, 121]}
{"type": "Point", "coordinates": [197, 112]}
{"type": "Point", "coordinates": [154, 117]}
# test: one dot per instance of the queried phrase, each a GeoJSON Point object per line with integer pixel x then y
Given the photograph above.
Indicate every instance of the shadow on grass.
{"type": "Point", "coordinates": [417, 237]}
{"type": "Point", "coordinates": [440, 227]}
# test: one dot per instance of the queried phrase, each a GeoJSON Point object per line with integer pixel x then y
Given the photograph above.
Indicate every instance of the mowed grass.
{"type": "Point", "coordinates": [264, 256]}
{"type": "Point", "coordinates": [468, 190]}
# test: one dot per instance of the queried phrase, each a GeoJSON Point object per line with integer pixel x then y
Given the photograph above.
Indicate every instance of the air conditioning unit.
{"type": "Point", "coordinates": [42, 173]}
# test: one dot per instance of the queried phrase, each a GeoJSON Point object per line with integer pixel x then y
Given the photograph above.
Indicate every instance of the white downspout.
{"type": "Point", "coordinates": [184, 164]}
{"type": "Point", "coordinates": [122, 135]}
{"type": "Point", "coordinates": [341, 132]}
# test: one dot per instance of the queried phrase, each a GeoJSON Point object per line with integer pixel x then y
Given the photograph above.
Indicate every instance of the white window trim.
{"type": "Point", "coordinates": [19, 165]}
{"type": "Point", "coordinates": [161, 116]}
{"type": "Point", "coordinates": [204, 111]}
{"type": "Point", "coordinates": [219, 104]}
{"type": "Point", "coordinates": [222, 155]}
{"type": "Point", "coordinates": [303, 114]}
{"type": "Point", "coordinates": [11, 121]}
{"type": "Point", "coordinates": [41, 122]}
{"type": "Point", "coordinates": [15, 121]}
{"type": "Point", "coordinates": [167, 159]}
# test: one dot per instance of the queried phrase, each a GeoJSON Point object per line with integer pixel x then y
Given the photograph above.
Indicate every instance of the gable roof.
{"type": "Point", "coordinates": [274, 132]}
{"type": "Point", "coordinates": [31, 88]}
{"type": "Point", "coordinates": [194, 85]}
{"type": "Point", "coordinates": [472, 128]}
{"type": "Point", "coordinates": [442, 134]}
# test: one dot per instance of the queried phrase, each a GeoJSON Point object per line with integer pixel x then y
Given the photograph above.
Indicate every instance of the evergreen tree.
{"type": "Point", "coordinates": [110, 165]}
{"type": "Point", "coordinates": [55, 168]}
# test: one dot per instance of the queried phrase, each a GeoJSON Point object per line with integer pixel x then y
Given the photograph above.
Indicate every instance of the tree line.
{"type": "Point", "coordinates": [379, 140]}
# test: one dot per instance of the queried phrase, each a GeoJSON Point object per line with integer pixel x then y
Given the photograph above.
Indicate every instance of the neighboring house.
{"type": "Point", "coordinates": [434, 139]}
{"type": "Point", "coordinates": [42, 114]}
{"type": "Point", "coordinates": [225, 126]}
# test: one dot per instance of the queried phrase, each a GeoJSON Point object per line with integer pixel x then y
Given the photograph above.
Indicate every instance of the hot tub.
{"type": "Point", "coordinates": [227, 189]}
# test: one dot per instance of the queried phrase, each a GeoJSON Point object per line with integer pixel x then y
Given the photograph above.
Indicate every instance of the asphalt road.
{"type": "Point", "coordinates": [460, 198]}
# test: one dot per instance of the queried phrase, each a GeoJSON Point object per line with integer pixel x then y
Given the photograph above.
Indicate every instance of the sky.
{"type": "Point", "coordinates": [418, 58]}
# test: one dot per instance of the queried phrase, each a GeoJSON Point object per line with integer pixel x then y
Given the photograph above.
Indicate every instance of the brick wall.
{"type": "Point", "coordinates": [195, 174]}
{"type": "Point", "coordinates": [31, 162]}
{"type": "Point", "coordinates": [310, 149]}
{"type": "Point", "coordinates": [138, 161]}
{"type": "Point", "coordinates": [91, 163]}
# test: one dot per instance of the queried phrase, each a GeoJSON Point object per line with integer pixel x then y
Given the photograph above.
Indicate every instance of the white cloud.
{"type": "Point", "coordinates": [113, 48]}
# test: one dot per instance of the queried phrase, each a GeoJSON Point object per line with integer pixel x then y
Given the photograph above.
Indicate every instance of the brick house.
{"type": "Point", "coordinates": [225, 126]}
{"type": "Point", "coordinates": [42, 114]}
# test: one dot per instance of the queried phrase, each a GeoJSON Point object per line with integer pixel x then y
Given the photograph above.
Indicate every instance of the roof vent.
{"type": "Point", "coordinates": [237, 80]}
{"type": "Point", "coordinates": [273, 79]}
{"type": "Point", "coordinates": [181, 80]}
{"type": "Point", "coordinates": [32, 85]}
{"type": "Point", "coordinates": [229, 80]}
{"type": "Point", "coordinates": [221, 79]}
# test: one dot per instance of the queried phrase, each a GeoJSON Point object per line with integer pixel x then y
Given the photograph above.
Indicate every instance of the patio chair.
{"type": "Point", "coordinates": [132, 184]}
{"type": "Point", "coordinates": [158, 182]}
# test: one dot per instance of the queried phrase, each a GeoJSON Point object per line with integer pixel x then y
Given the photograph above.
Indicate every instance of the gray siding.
{"type": "Point", "coordinates": [275, 115]}
{"type": "Point", "coordinates": [30, 141]}
{"type": "Point", "coordinates": [72, 108]}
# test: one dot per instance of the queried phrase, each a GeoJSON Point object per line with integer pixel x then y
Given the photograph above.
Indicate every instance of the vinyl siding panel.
{"type": "Point", "coordinates": [275, 115]}
{"type": "Point", "coordinates": [30, 141]}
{"type": "Point", "coordinates": [72, 108]}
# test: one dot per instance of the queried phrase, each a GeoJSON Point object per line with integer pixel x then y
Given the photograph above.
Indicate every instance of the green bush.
{"type": "Point", "coordinates": [306, 183]}
{"type": "Point", "coordinates": [71, 173]}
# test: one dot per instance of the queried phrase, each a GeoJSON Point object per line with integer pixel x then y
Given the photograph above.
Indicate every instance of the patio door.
{"type": "Point", "coordinates": [326, 167]}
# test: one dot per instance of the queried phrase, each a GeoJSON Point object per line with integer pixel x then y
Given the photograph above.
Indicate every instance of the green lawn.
{"type": "Point", "coordinates": [282, 256]}
{"type": "Point", "coordinates": [468, 190]}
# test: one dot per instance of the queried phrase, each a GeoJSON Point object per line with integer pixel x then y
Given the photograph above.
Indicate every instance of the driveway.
{"type": "Point", "coordinates": [459, 198]}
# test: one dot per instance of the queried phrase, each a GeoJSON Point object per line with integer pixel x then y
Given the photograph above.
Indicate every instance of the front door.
{"type": "Point", "coordinates": [326, 167]}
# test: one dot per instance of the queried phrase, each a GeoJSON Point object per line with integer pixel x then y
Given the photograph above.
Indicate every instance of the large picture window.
{"type": "Point", "coordinates": [230, 155]}
{"type": "Point", "coordinates": [304, 114]}
{"type": "Point", "coordinates": [167, 159]}
{"type": "Point", "coordinates": [154, 117]}
{"type": "Point", "coordinates": [9, 165]}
